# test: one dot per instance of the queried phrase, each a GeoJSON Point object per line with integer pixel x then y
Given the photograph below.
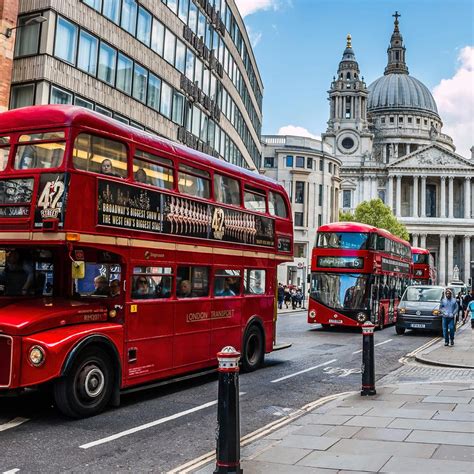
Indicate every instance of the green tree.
{"type": "Point", "coordinates": [377, 214]}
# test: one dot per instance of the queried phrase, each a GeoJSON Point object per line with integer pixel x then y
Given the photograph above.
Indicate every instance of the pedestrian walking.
{"type": "Point", "coordinates": [470, 310]}
{"type": "Point", "coordinates": [465, 303]}
{"type": "Point", "coordinates": [287, 296]}
{"type": "Point", "coordinates": [449, 309]}
{"type": "Point", "coordinates": [280, 295]}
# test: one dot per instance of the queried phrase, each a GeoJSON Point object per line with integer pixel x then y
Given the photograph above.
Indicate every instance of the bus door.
{"type": "Point", "coordinates": [192, 318]}
{"type": "Point", "coordinates": [226, 310]}
{"type": "Point", "coordinates": [149, 344]}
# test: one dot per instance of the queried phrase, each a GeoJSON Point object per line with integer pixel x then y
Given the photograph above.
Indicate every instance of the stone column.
{"type": "Point", "coordinates": [423, 196]}
{"type": "Point", "coordinates": [415, 196]}
{"type": "Point", "coordinates": [442, 260]}
{"type": "Point", "coordinates": [398, 196]}
{"type": "Point", "coordinates": [423, 241]}
{"type": "Point", "coordinates": [467, 258]}
{"type": "Point", "coordinates": [442, 203]}
{"type": "Point", "coordinates": [451, 196]}
{"type": "Point", "coordinates": [367, 183]}
{"type": "Point", "coordinates": [414, 240]}
{"type": "Point", "coordinates": [467, 197]}
{"type": "Point", "coordinates": [408, 148]}
{"type": "Point", "coordinates": [390, 192]}
{"type": "Point", "coordinates": [450, 256]}
{"type": "Point", "coordinates": [373, 187]}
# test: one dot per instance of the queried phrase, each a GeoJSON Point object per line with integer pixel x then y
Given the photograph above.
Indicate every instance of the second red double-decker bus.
{"type": "Point", "coordinates": [424, 271]}
{"type": "Point", "coordinates": [358, 273]}
{"type": "Point", "coordinates": [126, 258]}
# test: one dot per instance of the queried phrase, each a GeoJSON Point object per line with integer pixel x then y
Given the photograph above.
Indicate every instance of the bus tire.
{"type": "Point", "coordinates": [253, 349]}
{"type": "Point", "coordinates": [399, 330]}
{"type": "Point", "coordinates": [87, 387]}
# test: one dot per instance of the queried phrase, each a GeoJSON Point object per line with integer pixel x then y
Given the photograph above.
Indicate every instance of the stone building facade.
{"type": "Point", "coordinates": [310, 174]}
{"type": "Point", "coordinates": [389, 138]}
{"type": "Point", "coordinates": [183, 69]}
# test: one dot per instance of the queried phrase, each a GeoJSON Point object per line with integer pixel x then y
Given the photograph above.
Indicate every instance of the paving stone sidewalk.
{"type": "Point", "coordinates": [460, 355]}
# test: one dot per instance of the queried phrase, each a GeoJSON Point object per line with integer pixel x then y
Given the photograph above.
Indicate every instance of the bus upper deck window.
{"type": "Point", "coordinates": [276, 205]}
{"type": "Point", "coordinates": [4, 152]}
{"type": "Point", "coordinates": [226, 190]}
{"type": "Point", "coordinates": [153, 170]}
{"type": "Point", "coordinates": [255, 200]}
{"type": "Point", "coordinates": [194, 181]}
{"type": "Point", "coordinates": [40, 150]}
{"type": "Point", "coordinates": [100, 155]}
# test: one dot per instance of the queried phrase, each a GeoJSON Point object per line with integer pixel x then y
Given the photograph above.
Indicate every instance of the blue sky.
{"type": "Point", "coordinates": [299, 43]}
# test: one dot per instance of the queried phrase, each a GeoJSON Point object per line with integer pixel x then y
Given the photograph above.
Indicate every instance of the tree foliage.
{"type": "Point", "coordinates": [377, 214]}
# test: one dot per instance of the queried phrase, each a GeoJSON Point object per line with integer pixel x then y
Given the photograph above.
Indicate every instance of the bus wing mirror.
{"type": "Point", "coordinates": [78, 270]}
{"type": "Point", "coordinates": [308, 278]}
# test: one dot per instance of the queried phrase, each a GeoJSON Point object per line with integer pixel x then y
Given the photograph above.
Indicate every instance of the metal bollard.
{"type": "Point", "coordinates": [228, 419]}
{"type": "Point", "coordinates": [368, 360]}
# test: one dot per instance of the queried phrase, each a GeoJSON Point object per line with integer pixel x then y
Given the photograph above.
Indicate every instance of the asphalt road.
{"type": "Point", "coordinates": [181, 417]}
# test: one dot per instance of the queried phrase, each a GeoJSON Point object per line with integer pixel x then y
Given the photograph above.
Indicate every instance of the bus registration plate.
{"type": "Point", "coordinates": [335, 321]}
{"type": "Point", "coordinates": [418, 325]}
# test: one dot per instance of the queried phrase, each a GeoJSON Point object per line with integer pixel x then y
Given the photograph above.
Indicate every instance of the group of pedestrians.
{"type": "Point", "coordinates": [450, 308]}
{"type": "Point", "coordinates": [290, 295]}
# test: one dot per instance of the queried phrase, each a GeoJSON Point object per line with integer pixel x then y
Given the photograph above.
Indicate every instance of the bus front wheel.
{"type": "Point", "coordinates": [253, 349]}
{"type": "Point", "coordinates": [87, 388]}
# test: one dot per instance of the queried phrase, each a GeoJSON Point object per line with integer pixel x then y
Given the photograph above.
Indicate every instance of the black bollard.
{"type": "Point", "coordinates": [228, 419]}
{"type": "Point", "coordinates": [368, 360]}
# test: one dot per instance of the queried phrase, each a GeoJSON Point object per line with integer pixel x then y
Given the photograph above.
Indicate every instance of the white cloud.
{"type": "Point", "coordinates": [247, 7]}
{"type": "Point", "coordinates": [254, 37]}
{"type": "Point", "coordinates": [455, 100]}
{"type": "Point", "coordinates": [298, 131]}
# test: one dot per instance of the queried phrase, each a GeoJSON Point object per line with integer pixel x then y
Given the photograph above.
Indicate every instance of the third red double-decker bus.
{"type": "Point", "coordinates": [358, 273]}
{"type": "Point", "coordinates": [126, 258]}
{"type": "Point", "coordinates": [424, 271]}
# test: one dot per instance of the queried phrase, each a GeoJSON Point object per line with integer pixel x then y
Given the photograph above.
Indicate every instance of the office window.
{"type": "Point", "coordinates": [22, 96]}
{"type": "Point", "coordinates": [320, 220]}
{"type": "Point", "coordinates": [309, 163]}
{"type": "Point", "coordinates": [157, 37]}
{"type": "Point", "coordinates": [289, 161]}
{"type": "Point", "coordinates": [392, 119]}
{"type": "Point", "coordinates": [269, 162]}
{"type": "Point", "coordinates": [410, 120]}
{"type": "Point", "coordinates": [299, 219]}
{"type": "Point", "coordinates": [129, 16]}
{"type": "Point", "coordinates": [170, 45]}
{"type": "Point", "coordinates": [299, 192]}
{"type": "Point", "coordinates": [198, 72]}
{"type": "Point", "coordinates": [144, 26]}
{"type": "Point", "coordinates": [66, 41]}
{"type": "Point", "coordinates": [112, 10]}
{"type": "Point", "coordinates": [321, 165]}
{"type": "Point", "coordinates": [178, 108]}
{"type": "Point", "coordinates": [87, 56]}
{"type": "Point", "coordinates": [330, 167]}
{"type": "Point", "coordinates": [183, 10]}
{"type": "Point", "coordinates": [173, 5]}
{"type": "Point", "coordinates": [192, 18]}
{"type": "Point", "coordinates": [196, 121]}
{"type": "Point", "coordinates": [140, 78]}
{"type": "Point", "coordinates": [27, 37]}
{"type": "Point", "coordinates": [190, 64]}
{"type": "Point", "coordinates": [204, 124]}
{"type": "Point", "coordinates": [201, 25]}
{"type": "Point", "coordinates": [299, 250]}
{"type": "Point", "coordinates": [346, 198]}
{"type": "Point", "coordinates": [124, 73]}
{"type": "Point", "coordinates": [154, 89]}
{"type": "Point", "coordinates": [103, 111]}
{"type": "Point", "coordinates": [166, 97]}
{"type": "Point", "coordinates": [299, 162]}
{"type": "Point", "coordinates": [83, 103]}
{"type": "Point", "coordinates": [95, 4]}
{"type": "Point", "coordinates": [121, 119]}
{"type": "Point", "coordinates": [180, 60]}
{"type": "Point", "coordinates": [58, 96]}
{"type": "Point", "coordinates": [107, 58]}
{"type": "Point", "coordinates": [320, 195]}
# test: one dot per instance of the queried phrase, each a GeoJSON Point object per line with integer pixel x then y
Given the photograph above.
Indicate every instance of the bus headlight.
{"type": "Point", "coordinates": [312, 314]}
{"type": "Point", "coordinates": [112, 313]}
{"type": "Point", "coordinates": [401, 310]}
{"type": "Point", "coordinates": [36, 356]}
{"type": "Point", "coordinates": [361, 317]}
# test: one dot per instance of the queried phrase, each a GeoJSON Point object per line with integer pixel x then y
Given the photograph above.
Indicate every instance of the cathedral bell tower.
{"type": "Point", "coordinates": [347, 130]}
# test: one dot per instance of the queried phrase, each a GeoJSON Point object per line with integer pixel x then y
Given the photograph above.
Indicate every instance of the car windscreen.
{"type": "Point", "coordinates": [423, 294]}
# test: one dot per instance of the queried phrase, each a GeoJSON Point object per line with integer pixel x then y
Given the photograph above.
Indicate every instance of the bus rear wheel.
{"type": "Point", "coordinates": [253, 350]}
{"type": "Point", "coordinates": [87, 388]}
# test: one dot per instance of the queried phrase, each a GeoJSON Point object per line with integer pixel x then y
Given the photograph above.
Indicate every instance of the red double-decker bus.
{"type": "Point", "coordinates": [424, 270]}
{"type": "Point", "coordinates": [126, 258]}
{"type": "Point", "coordinates": [358, 274]}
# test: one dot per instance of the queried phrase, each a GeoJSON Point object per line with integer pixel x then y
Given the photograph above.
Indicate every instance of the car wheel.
{"type": "Point", "coordinates": [87, 388]}
{"type": "Point", "coordinates": [253, 349]}
{"type": "Point", "coordinates": [399, 330]}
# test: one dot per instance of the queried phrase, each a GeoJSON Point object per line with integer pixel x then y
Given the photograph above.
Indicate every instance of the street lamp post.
{"type": "Point", "coordinates": [36, 19]}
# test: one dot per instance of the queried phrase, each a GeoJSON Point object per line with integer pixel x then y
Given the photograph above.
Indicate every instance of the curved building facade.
{"type": "Point", "coordinates": [389, 138]}
{"type": "Point", "coordinates": [183, 69]}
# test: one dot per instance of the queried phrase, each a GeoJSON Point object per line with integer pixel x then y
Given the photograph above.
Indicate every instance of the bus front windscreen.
{"type": "Point", "coordinates": [420, 258]}
{"type": "Point", "coordinates": [343, 240]}
{"type": "Point", "coordinates": [340, 290]}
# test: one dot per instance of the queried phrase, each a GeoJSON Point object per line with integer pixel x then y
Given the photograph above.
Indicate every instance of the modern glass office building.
{"type": "Point", "coordinates": [183, 69]}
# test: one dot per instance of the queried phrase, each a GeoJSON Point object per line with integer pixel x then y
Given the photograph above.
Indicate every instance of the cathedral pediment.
{"type": "Point", "coordinates": [432, 157]}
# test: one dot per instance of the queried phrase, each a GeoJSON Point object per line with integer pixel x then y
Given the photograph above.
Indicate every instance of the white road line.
{"type": "Point", "coordinates": [375, 345]}
{"type": "Point", "coordinates": [150, 425]}
{"type": "Point", "coordinates": [11, 471]}
{"type": "Point", "coordinates": [13, 423]}
{"type": "Point", "coordinates": [303, 371]}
